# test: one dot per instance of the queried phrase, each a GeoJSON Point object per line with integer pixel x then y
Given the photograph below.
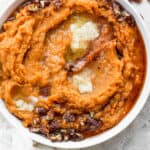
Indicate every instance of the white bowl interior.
{"type": "Point", "coordinates": [109, 133]}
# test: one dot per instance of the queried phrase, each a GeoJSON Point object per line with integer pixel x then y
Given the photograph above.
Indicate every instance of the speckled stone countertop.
{"type": "Point", "coordinates": [135, 137]}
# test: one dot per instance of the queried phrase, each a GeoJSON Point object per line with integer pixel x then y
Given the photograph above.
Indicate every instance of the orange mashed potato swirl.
{"type": "Point", "coordinates": [55, 79]}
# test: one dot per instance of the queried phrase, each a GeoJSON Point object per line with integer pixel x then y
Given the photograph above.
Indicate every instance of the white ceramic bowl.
{"type": "Point", "coordinates": [109, 133]}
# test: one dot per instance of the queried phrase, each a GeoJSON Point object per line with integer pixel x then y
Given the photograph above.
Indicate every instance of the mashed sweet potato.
{"type": "Point", "coordinates": [70, 69]}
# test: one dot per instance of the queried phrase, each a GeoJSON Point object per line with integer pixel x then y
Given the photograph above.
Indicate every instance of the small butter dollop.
{"type": "Point", "coordinates": [22, 105]}
{"type": "Point", "coordinates": [81, 35]}
{"type": "Point", "coordinates": [83, 81]}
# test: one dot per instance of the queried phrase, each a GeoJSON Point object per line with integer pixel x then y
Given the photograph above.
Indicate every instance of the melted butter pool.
{"type": "Point", "coordinates": [83, 31]}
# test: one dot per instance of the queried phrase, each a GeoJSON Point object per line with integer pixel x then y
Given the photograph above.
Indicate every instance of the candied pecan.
{"type": "Point", "coordinates": [45, 130]}
{"type": "Point", "coordinates": [76, 137]}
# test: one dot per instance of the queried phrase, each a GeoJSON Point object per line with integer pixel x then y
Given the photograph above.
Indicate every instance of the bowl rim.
{"type": "Point", "coordinates": [100, 138]}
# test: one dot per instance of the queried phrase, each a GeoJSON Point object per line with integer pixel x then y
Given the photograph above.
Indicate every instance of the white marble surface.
{"type": "Point", "coordinates": [135, 137]}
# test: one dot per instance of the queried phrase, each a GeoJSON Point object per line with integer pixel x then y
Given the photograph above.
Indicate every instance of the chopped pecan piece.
{"type": "Point", "coordinates": [69, 117]}
{"type": "Point", "coordinates": [121, 14]}
{"type": "Point", "coordinates": [54, 125]}
{"type": "Point", "coordinates": [44, 3]}
{"type": "Point", "coordinates": [45, 130]}
{"type": "Point", "coordinates": [93, 124]}
{"type": "Point", "coordinates": [56, 137]}
{"type": "Point", "coordinates": [76, 137]}
{"type": "Point", "coordinates": [41, 111]}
